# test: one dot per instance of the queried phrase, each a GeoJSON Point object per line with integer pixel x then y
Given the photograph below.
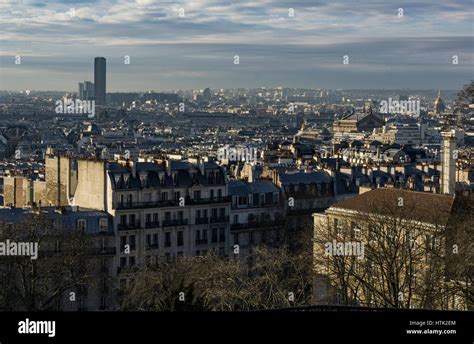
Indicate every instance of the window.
{"type": "Point", "coordinates": [132, 242]}
{"type": "Point", "coordinates": [212, 194]}
{"type": "Point", "coordinates": [132, 219]}
{"type": "Point", "coordinates": [147, 218]}
{"type": "Point", "coordinates": [167, 239]}
{"type": "Point", "coordinates": [103, 303]}
{"type": "Point", "coordinates": [155, 239]}
{"type": "Point", "coordinates": [57, 224]}
{"type": "Point", "coordinates": [131, 261]}
{"type": "Point", "coordinates": [123, 219]}
{"type": "Point", "coordinates": [167, 216]}
{"type": "Point", "coordinates": [222, 234]}
{"type": "Point", "coordinates": [177, 195]}
{"type": "Point", "coordinates": [123, 242]}
{"type": "Point", "coordinates": [102, 225]}
{"type": "Point", "coordinates": [222, 212]}
{"type": "Point", "coordinates": [164, 196]}
{"type": "Point", "coordinates": [357, 235]}
{"type": "Point", "coordinates": [219, 193]}
{"type": "Point", "coordinates": [148, 239]}
{"type": "Point", "coordinates": [129, 199]}
{"type": "Point", "coordinates": [204, 236]}
{"type": "Point", "coordinates": [180, 239]}
{"type": "Point", "coordinates": [356, 266]}
{"type": "Point", "coordinates": [255, 199]}
{"type": "Point", "coordinates": [155, 217]}
{"type": "Point", "coordinates": [57, 247]}
{"type": "Point", "coordinates": [236, 219]}
{"type": "Point", "coordinates": [338, 227]}
{"type": "Point", "coordinates": [81, 225]}
{"type": "Point", "coordinates": [214, 235]}
{"type": "Point", "coordinates": [123, 261]}
{"type": "Point", "coordinates": [197, 194]}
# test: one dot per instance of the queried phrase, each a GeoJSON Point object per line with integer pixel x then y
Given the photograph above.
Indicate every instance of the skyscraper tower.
{"type": "Point", "coordinates": [81, 91]}
{"type": "Point", "coordinates": [100, 80]}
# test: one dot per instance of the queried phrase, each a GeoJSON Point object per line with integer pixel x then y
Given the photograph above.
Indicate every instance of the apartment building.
{"type": "Point", "coordinates": [402, 239]}
{"type": "Point", "coordinates": [97, 292]}
{"type": "Point", "coordinates": [257, 215]}
{"type": "Point", "coordinates": [166, 210]}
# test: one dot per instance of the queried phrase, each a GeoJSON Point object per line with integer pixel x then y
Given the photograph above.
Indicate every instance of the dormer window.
{"type": "Point", "coordinates": [102, 225]}
{"type": "Point", "coordinates": [81, 225]}
{"type": "Point", "coordinates": [144, 179]}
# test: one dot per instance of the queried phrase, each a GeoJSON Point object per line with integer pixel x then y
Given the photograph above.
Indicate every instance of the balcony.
{"type": "Point", "coordinates": [105, 251]}
{"type": "Point", "coordinates": [140, 205]}
{"type": "Point", "coordinates": [260, 205]}
{"type": "Point", "coordinates": [201, 241]}
{"type": "Point", "coordinates": [171, 203]}
{"type": "Point", "coordinates": [257, 224]}
{"type": "Point", "coordinates": [173, 223]}
{"type": "Point", "coordinates": [127, 269]}
{"type": "Point", "coordinates": [152, 246]}
{"type": "Point", "coordinates": [202, 221]}
{"type": "Point", "coordinates": [219, 219]}
{"type": "Point", "coordinates": [152, 224]}
{"type": "Point", "coordinates": [128, 226]}
{"type": "Point", "coordinates": [214, 200]}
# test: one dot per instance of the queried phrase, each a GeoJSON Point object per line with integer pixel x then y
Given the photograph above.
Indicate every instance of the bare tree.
{"type": "Point", "coordinates": [267, 279]}
{"type": "Point", "coordinates": [404, 257]}
{"type": "Point", "coordinates": [64, 263]}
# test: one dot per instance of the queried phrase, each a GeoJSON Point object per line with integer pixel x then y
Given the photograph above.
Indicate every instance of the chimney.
{"type": "Point", "coordinates": [448, 162]}
{"type": "Point", "coordinates": [201, 165]}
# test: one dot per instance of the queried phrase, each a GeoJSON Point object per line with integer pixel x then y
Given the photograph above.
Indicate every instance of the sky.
{"type": "Point", "coordinates": [192, 44]}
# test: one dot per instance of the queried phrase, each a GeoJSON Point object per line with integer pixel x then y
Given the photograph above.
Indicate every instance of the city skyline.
{"type": "Point", "coordinates": [172, 49]}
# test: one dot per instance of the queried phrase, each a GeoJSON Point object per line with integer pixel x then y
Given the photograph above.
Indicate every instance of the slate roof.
{"type": "Point", "coordinates": [305, 178]}
{"type": "Point", "coordinates": [122, 177]}
{"type": "Point", "coordinates": [240, 187]}
{"type": "Point", "coordinates": [421, 206]}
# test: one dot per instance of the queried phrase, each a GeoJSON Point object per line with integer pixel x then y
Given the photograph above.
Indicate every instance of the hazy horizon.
{"type": "Point", "coordinates": [168, 51]}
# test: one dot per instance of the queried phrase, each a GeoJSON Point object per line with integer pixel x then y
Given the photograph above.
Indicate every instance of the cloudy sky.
{"type": "Point", "coordinates": [57, 41]}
